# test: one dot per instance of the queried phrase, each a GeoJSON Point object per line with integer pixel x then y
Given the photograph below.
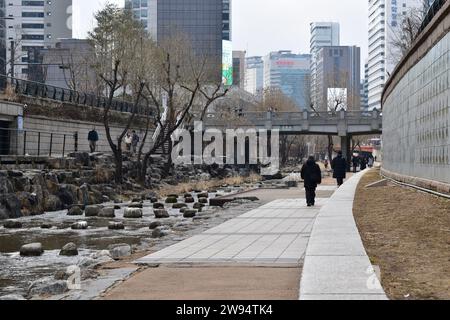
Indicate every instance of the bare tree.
{"type": "Point", "coordinates": [120, 44]}
{"type": "Point", "coordinates": [182, 80]}
{"type": "Point", "coordinates": [404, 34]}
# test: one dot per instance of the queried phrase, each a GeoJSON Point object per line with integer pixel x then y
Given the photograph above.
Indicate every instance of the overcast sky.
{"type": "Point", "coordinates": [261, 26]}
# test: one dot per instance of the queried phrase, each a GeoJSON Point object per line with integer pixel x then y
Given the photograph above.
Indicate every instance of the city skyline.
{"type": "Point", "coordinates": [294, 19]}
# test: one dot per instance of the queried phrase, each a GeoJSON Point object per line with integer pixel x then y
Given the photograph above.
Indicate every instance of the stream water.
{"type": "Point", "coordinates": [16, 272]}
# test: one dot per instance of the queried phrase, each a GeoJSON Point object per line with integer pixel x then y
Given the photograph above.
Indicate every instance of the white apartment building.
{"type": "Point", "coordinates": [30, 26]}
{"type": "Point", "coordinates": [385, 20]}
{"type": "Point", "coordinates": [254, 75]}
{"type": "Point", "coordinates": [323, 34]}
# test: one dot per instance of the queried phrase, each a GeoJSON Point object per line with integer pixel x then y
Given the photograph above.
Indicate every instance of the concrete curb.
{"type": "Point", "coordinates": [336, 264]}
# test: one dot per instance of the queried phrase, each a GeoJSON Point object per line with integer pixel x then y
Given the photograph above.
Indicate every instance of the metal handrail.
{"type": "Point", "coordinates": [42, 90]}
{"type": "Point", "coordinates": [434, 9]}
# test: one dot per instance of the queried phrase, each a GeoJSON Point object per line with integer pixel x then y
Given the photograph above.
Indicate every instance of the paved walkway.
{"type": "Point", "coordinates": [275, 233]}
{"type": "Point", "coordinates": [336, 264]}
{"type": "Point", "coordinates": [260, 255]}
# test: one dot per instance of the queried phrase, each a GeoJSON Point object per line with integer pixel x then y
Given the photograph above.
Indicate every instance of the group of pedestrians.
{"type": "Point", "coordinates": [131, 140]}
{"type": "Point", "coordinates": [362, 161]}
{"type": "Point", "coordinates": [312, 175]}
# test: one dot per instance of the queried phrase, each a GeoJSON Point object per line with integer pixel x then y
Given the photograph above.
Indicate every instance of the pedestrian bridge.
{"type": "Point", "coordinates": [341, 123]}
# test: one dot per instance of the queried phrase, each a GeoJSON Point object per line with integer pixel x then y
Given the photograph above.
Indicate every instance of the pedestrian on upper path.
{"type": "Point", "coordinates": [93, 138]}
{"type": "Point", "coordinates": [339, 166]}
{"type": "Point", "coordinates": [312, 176]}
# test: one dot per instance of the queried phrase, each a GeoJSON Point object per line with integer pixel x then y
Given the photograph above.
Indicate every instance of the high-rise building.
{"type": "Point", "coordinates": [339, 68]}
{"type": "Point", "coordinates": [365, 89]}
{"type": "Point", "coordinates": [385, 21]}
{"type": "Point", "coordinates": [239, 68]}
{"type": "Point", "coordinates": [254, 75]}
{"type": "Point", "coordinates": [69, 65]}
{"type": "Point", "coordinates": [291, 74]}
{"type": "Point", "coordinates": [206, 23]}
{"type": "Point", "coordinates": [33, 25]}
{"type": "Point", "coordinates": [322, 34]}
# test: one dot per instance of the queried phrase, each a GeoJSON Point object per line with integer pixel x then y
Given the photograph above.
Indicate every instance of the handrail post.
{"type": "Point", "coordinates": [75, 139]}
{"type": "Point", "coordinates": [64, 145]}
{"type": "Point", "coordinates": [39, 144]}
{"type": "Point", "coordinates": [24, 143]}
{"type": "Point", "coordinates": [51, 144]}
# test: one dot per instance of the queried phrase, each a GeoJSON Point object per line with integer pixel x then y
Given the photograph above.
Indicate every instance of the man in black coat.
{"type": "Point", "coordinates": [312, 176]}
{"type": "Point", "coordinates": [339, 166]}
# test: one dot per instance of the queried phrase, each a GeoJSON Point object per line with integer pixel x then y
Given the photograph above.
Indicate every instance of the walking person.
{"type": "Point", "coordinates": [363, 164]}
{"type": "Point", "coordinates": [339, 166]}
{"type": "Point", "coordinates": [312, 176]}
{"type": "Point", "coordinates": [370, 162]}
{"type": "Point", "coordinates": [128, 141]}
{"type": "Point", "coordinates": [134, 141]}
{"type": "Point", "coordinates": [355, 161]}
{"type": "Point", "coordinates": [93, 138]}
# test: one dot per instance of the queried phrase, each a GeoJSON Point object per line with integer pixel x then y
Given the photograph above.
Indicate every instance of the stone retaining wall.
{"type": "Point", "coordinates": [416, 110]}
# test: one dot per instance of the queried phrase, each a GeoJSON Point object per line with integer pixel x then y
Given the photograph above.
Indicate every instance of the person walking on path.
{"type": "Point", "coordinates": [128, 141]}
{"type": "Point", "coordinates": [355, 161]}
{"type": "Point", "coordinates": [93, 138]}
{"type": "Point", "coordinates": [312, 176]}
{"type": "Point", "coordinates": [363, 164]}
{"type": "Point", "coordinates": [339, 166]}
{"type": "Point", "coordinates": [134, 141]}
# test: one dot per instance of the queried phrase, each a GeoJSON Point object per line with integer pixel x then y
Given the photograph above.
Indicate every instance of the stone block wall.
{"type": "Point", "coordinates": [416, 119]}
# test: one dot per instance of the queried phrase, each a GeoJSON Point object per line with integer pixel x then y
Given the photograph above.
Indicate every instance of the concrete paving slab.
{"type": "Point", "coordinates": [338, 275]}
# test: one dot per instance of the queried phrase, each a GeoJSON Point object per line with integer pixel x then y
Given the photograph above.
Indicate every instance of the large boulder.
{"type": "Point", "coordinates": [161, 213]}
{"type": "Point", "coordinates": [68, 194]}
{"type": "Point", "coordinates": [107, 213]}
{"type": "Point", "coordinates": [120, 250]}
{"type": "Point", "coordinates": [154, 225]}
{"type": "Point", "coordinates": [69, 249]}
{"type": "Point", "coordinates": [12, 224]}
{"type": "Point", "coordinates": [5, 185]}
{"type": "Point", "coordinates": [171, 200]}
{"type": "Point", "coordinates": [158, 205]}
{"type": "Point", "coordinates": [81, 158]}
{"type": "Point", "coordinates": [189, 213]}
{"type": "Point", "coordinates": [75, 211]}
{"type": "Point", "coordinates": [189, 200]}
{"type": "Point", "coordinates": [31, 250]}
{"type": "Point", "coordinates": [80, 225]}
{"type": "Point", "coordinates": [159, 232]}
{"type": "Point", "coordinates": [132, 213]}
{"type": "Point", "coordinates": [29, 203]}
{"type": "Point", "coordinates": [135, 205]}
{"type": "Point", "coordinates": [47, 286]}
{"type": "Point", "coordinates": [179, 205]}
{"type": "Point", "coordinates": [116, 226]}
{"type": "Point", "coordinates": [10, 206]}
{"type": "Point", "coordinates": [53, 203]}
{"type": "Point", "coordinates": [92, 211]}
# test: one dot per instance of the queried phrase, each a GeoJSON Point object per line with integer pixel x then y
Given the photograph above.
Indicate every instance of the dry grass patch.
{"type": "Point", "coordinates": [407, 234]}
{"type": "Point", "coordinates": [206, 184]}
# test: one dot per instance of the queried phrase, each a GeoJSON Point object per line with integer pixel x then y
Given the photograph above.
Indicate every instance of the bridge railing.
{"type": "Point", "coordinates": [45, 91]}
{"type": "Point", "coordinates": [280, 118]}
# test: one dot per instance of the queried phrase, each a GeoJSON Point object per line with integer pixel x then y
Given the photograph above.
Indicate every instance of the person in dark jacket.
{"type": "Point", "coordinates": [355, 162]}
{"type": "Point", "coordinates": [93, 138]}
{"type": "Point", "coordinates": [363, 164]}
{"type": "Point", "coordinates": [312, 176]}
{"type": "Point", "coordinates": [339, 166]}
